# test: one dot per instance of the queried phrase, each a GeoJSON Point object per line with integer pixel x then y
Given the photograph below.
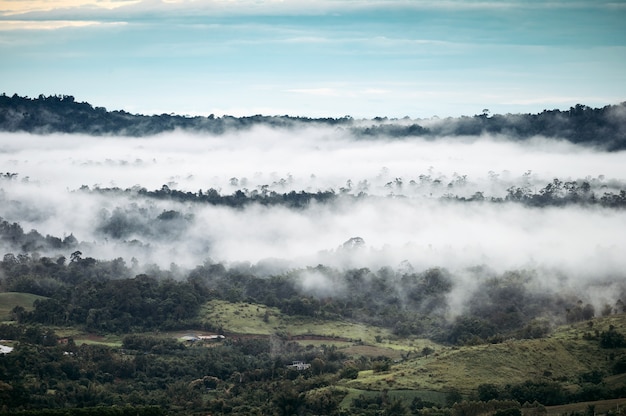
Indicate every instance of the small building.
{"type": "Point", "coordinates": [211, 337]}
{"type": "Point", "coordinates": [5, 349]}
{"type": "Point", "coordinates": [195, 338]}
{"type": "Point", "coordinates": [299, 365]}
{"type": "Point", "coordinates": [190, 338]}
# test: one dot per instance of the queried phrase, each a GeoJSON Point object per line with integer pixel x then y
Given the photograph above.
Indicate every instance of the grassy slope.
{"type": "Point", "coordinates": [563, 356]}
{"type": "Point", "coordinates": [600, 406]}
{"type": "Point", "coordinates": [245, 318]}
{"type": "Point", "coordinates": [9, 300]}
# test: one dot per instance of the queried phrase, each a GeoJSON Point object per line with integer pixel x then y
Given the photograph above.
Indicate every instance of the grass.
{"type": "Point", "coordinates": [113, 341]}
{"type": "Point", "coordinates": [9, 300]}
{"type": "Point", "coordinates": [561, 357]}
{"type": "Point", "coordinates": [600, 406]}
{"type": "Point", "coordinates": [253, 319]}
{"type": "Point", "coordinates": [405, 396]}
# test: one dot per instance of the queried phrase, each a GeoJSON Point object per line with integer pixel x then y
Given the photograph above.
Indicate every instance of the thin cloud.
{"type": "Point", "coordinates": [271, 7]}
{"type": "Point", "coordinates": [51, 24]}
{"type": "Point", "coordinates": [10, 8]}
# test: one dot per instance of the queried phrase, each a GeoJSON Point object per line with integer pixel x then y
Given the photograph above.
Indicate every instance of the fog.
{"type": "Point", "coordinates": [306, 159]}
{"type": "Point", "coordinates": [400, 214]}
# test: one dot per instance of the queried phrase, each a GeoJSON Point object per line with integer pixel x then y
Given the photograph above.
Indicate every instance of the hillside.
{"type": "Point", "coordinates": [353, 366]}
{"type": "Point", "coordinates": [9, 300]}
{"type": "Point", "coordinates": [570, 360]}
{"type": "Point", "coordinates": [603, 127]}
{"type": "Point", "coordinates": [564, 357]}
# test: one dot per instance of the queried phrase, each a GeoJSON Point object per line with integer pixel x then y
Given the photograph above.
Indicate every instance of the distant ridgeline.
{"type": "Point", "coordinates": [604, 127]}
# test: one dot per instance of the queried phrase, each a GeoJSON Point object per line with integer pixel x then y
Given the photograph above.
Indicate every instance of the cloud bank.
{"type": "Point", "coordinates": [400, 214]}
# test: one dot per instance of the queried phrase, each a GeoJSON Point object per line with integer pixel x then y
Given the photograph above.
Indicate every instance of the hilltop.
{"type": "Point", "coordinates": [603, 127]}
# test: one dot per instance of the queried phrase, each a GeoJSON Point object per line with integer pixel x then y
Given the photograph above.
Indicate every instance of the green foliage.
{"type": "Point", "coordinates": [381, 365]}
{"type": "Point", "coordinates": [151, 344]}
{"type": "Point", "coordinates": [548, 393]}
{"type": "Point", "coordinates": [349, 372]}
{"type": "Point", "coordinates": [513, 411]}
{"type": "Point", "coordinates": [619, 367]}
{"type": "Point", "coordinates": [453, 396]}
{"type": "Point", "coordinates": [86, 292]}
{"type": "Point", "coordinates": [93, 411]}
{"type": "Point", "coordinates": [612, 338]}
{"type": "Point", "coordinates": [33, 334]}
{"type": "Point", "coordinates": [494, 407]}
{"type": "Point", "coordinates": [487, 392]}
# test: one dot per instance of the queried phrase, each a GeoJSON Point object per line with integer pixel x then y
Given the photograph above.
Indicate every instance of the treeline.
{"type": "Point", "coordinates": [63, 114]}
{"type": "Point", "coordinates": [580, 124]}
{"type": "Point", "coordinates": [13, 235]}
{"type": "Point", "coordinates": [86, 292]}
{"type": "Point", "coordinates": [100, 296]}
{"type": "Point", "coordinates": [603, 127]}
{"type": "Point", "coordinates": [557, 193]}
{"type": "Point", "coordinates": [554, 194]}
{"type": "Point", "coordinates": [550, 393]}
{"type": "Point", "coordinates": [237, 199]}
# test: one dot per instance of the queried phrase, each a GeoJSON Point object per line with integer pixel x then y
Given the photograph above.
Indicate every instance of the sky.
{"type": "Point", "coordinates": [317, 58]}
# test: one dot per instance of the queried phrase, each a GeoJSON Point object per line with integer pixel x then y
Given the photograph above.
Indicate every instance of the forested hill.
{"type": "Point", "coordinates": [604, 127]}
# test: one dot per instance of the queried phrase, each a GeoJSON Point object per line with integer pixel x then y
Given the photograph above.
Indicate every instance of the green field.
{"type": "Point", "coordinates": [600, 406]}
{"type": "Point", "coordinates": [563, 357]}
{"type": "Point", "coordinates": [9, 300]}
{"type": "Point", "coordinates": [405, 396]}
{"type": "Point", "coordinates": [255, 319]}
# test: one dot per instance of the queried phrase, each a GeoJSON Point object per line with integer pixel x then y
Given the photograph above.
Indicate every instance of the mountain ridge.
{"type": "Point", "coordinates": [602, 127]}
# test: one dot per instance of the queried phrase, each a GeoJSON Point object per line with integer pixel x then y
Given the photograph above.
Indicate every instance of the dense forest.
{"type": "Point", "coordinates": [602, 127]}
{"type": "Point", "coordinates": [85, 291]}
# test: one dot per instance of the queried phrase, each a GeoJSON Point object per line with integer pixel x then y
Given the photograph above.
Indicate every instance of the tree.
{"type": "Point", "coordinates": [18, 314]}
{"type": "Point", "coordinates": [287, 400]}
{"type": "Point", "coordinates": [349, 372]}
{"type": "Point", "coordinates": [75, 256]}
{"type": "Point", "coordinates": [488, 392]}
{"type": "Point", "coordinates": [453, 396]}
{"type": "Point", "coordinates": [612, 339]}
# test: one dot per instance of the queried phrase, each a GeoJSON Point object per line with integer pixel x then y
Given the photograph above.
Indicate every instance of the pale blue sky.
{"type": "Point", "coordinates": [319, 57]}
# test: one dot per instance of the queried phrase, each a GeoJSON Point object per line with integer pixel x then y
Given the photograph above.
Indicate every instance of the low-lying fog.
{"type": "Point", "coordinates": [306, 159]}
{"type": "Point", "coordinates": [402, 219]}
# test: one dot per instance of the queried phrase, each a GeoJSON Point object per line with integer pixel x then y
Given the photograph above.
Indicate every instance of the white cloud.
{"type": "Point", "coordinates": [51, 24]}
{"type": "Point", "coordinates": [10, 8]}
{"type": "Point", "coordinates": [570, 247]}
{"type": "Point", "coordinates": [269, 7]}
